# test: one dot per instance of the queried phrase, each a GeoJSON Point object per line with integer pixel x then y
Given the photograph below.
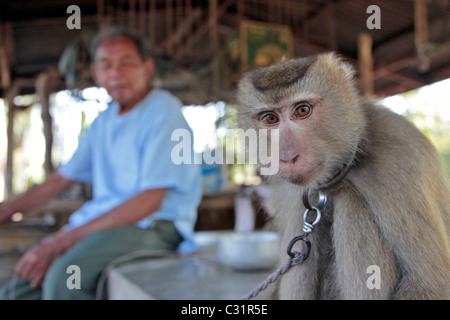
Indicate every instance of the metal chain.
{"type": "Point", "coordinates": [295, 257]}
{"type": "Point", "coordinates": [308, 226]}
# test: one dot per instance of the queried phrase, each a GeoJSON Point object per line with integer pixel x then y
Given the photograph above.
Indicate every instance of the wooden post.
{"type": "Point", "coordinates": [10, 147]}
{"type": "Point", "coordinates": [100, 15]}
{"type": "Point", "coordinates": [331, 24]}
{"type": "Point", "coordinates": [421, 34]}
{"type": "Point", "coordinates": [10, 138]}
{"type": "Point", "coordinates": [188, 13]}
{"type": "Point", "coordinates": [365, 63]}
{"type": "Point", "coordinates": [132, 15]}
{"type": "Point", "coordinates": [241, 18]}
{"type": "Point", "coordinates": [214, 38]}
{"type": "Point", "coordinates": [4, 63]}
{"type": "Point", "coordinates": [10, 93]}
{"type": "Point", "coordinates": [278, 12]}
{"type": "Point", "coordinates": [3, 148]}
{"type": "Point", "coordinates": [142, 17]}
{"type": "Point", "coordinates": [4, 67]}
{"type": "Point", "coordinates": [152, 24]}
{"type": "Point", "coordinates": [44, 85]}
{"type": "Point", "coordinates": [169, 19]}
{"type": "Point", "coordinates": [305, 24]}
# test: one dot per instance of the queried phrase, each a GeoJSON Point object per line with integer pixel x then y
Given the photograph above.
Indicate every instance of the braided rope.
{"type": "Point", "coordinates": [291, 261]}
{"type": "Point", "coordinates": [296, 257]}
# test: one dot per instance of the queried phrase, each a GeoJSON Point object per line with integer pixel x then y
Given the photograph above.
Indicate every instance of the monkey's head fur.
{"type": "Point", "coordinates": [310, 101]}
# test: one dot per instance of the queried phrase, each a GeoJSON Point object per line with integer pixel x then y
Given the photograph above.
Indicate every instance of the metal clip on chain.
{"type": "Point", "coordinates": [308, 226]}
{"type": "Point", "coordinates": [296, 257]}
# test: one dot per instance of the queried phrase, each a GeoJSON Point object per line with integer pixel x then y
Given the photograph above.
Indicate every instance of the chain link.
{"type": "Point", "coordinates": [308, 226]}
{"type": "Point", "coordinates": [296, 257]}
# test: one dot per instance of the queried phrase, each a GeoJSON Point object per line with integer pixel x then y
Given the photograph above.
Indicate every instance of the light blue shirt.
{"type": "Point", "coordinates": [122, 155]}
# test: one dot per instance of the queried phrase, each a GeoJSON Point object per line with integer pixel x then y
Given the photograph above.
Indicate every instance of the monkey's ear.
{"type": "Point", "coordinates": [332, 59]}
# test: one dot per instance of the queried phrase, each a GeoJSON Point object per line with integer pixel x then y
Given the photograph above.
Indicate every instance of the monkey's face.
{"type": "Point", "coordinates": [298, 122]}
{"type": "Point", "coordinates": [313, 104]}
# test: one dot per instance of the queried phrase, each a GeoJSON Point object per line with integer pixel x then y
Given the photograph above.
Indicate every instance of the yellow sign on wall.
{"type": "Point", "coordinates": [262, 44]}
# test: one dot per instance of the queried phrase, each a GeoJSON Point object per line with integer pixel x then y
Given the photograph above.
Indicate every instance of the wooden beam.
{"type": "Point", "coordinates": [398, 48]}
{"type": "Point", "coordinates": [183, 28]}
{"type": "Point", "coordinates": [223, 7]}
{"type": "Point", "coordinates": [192, 40]}
{"type": "Point", "coordinates": [391, 90]}
{"type": "Point", "coordinates": [365, 63]}
{"type": "Point", "coordinates": [203, 29]}
{"type": "Point", "coordinates": [392, 67]}
{"type": "Point", "coordinates": [439, 75]}
{"type": "Point", "coordinates": [404, 80]}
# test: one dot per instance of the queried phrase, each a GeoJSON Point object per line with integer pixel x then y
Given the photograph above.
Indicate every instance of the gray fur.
{"type": "Point", "coordinates": [392, 210]}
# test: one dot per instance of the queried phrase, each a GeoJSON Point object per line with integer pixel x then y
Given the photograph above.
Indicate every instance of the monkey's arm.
{"type": "Point", "coordinates": [405, 187]}
{"type": "Point", "coordinates": [414, 232]}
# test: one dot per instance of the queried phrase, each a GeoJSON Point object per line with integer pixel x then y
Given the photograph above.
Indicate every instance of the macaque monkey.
{"type": "Point", "coordinates": [392, 209]}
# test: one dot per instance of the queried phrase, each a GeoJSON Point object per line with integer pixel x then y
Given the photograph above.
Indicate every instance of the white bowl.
{"type": "Point", "coordinates": [249, 250]}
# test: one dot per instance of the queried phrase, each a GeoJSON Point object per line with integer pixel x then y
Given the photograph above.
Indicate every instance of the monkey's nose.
{"type": "Point", "coordinates": [289, 159]}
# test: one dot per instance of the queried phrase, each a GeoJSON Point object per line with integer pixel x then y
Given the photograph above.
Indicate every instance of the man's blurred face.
{"type": "Point", "coordinates": [119, 68]}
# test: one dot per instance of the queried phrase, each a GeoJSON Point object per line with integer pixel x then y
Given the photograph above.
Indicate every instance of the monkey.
{"type": "Point", "coordinates": [392, 208]}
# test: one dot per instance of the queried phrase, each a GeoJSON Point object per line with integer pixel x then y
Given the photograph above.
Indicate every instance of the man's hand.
{"type": "Point", "coordinates": [35, 262]}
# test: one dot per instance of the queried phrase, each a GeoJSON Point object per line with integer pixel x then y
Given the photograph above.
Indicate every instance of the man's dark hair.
{"type": "Point", "coordinates": [118, 32]}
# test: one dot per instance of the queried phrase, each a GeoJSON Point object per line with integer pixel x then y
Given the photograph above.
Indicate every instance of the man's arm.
{"type": "Point", "coordinates": [37, 260]}
{"type": "Point", "coordinates": [36, 196]}
{"type": "Point", "coordinates": [129, 212]}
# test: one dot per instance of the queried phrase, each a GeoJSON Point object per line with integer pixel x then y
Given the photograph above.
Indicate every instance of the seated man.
{"type": "Point", "coordinates": [141, 199]}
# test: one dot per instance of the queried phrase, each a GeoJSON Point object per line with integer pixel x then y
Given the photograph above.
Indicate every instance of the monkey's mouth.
{"type": "Point", "coordinates": [299, 173]}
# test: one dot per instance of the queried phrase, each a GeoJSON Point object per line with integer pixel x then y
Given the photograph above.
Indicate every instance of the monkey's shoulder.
{"type": "Point", "coordinates": [392, 137]}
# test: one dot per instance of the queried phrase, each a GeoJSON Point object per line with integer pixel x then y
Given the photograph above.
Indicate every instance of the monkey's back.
{"type": "Point", "coordinates": [392, 209]}
{"type": "Point", "coordinates": [411, 219]}
{"type": "Point", "coordinates": [391, 139]}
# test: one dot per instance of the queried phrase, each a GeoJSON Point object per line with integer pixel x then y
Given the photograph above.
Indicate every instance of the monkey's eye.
{"type": "Point", "coordinates": [270, 118]}
{"type": "Point", "coordinates": [302, 110]}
